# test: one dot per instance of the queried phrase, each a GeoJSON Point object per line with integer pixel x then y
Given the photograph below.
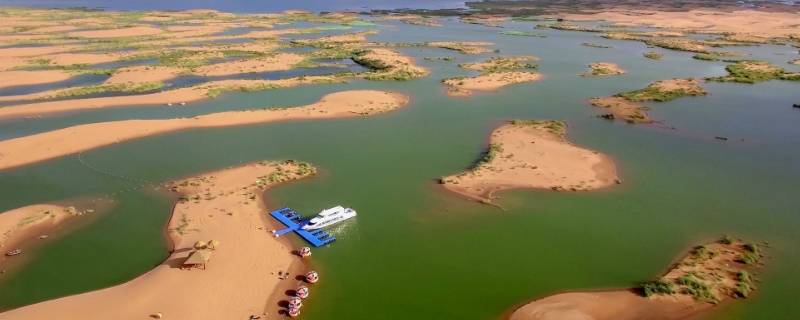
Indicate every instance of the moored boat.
{"type": "Point", "coordinates": [329, 217]}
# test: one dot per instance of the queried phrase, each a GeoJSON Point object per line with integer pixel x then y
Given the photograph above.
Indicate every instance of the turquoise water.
{"type": "Point", "coordinates": [417, 251]}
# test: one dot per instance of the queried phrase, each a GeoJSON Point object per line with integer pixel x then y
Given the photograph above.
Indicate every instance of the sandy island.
{"type": "Point", "coordinates": [628, 105]}
{"type": "Point", "coordinates": [496, 73]}
{"type": "Point", "coordinates": [603, 69]}
{"type": "Point", "coordinates": [52, 144]}
{"type": "Point", "coordinates": [14, 224]}
{"type": "Point", "coordinates": [533, 154]}
{"type": "Point", "coordinates": [241, 276]}
{"type": "Point", "coordinates": [182, 95]}
{"type": "Point", "coordinates": [708, 275]}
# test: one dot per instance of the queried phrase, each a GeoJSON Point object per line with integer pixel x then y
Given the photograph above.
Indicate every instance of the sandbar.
{"type": "Point", "coordinates": [52, 144]}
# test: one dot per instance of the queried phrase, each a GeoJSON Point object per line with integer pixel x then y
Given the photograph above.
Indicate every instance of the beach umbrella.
{"type": "Point", "coordinates": [200, 245]}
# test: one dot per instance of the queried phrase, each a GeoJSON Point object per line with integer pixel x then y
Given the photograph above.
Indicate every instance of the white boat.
{"type": "Point", "coordinates": [329, 217]}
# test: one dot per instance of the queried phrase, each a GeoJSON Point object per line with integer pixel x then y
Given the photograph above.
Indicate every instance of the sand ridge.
{"type": "Point", "coordinates": [52, 144]}
{"type": "Point", "coordinates": [533, 154]}
{"type": "Point", "coordinates": [225, 206]}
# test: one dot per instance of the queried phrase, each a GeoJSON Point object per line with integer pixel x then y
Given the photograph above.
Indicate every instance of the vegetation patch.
{"type": "Point", "coordinates": [754, 72]}
{"type": "Point", "coordinates": [603, 69]}
{"type": "Point", "coordinates": [107, 88]}
{"type": "Point", "coordinates": [518, 33]}
{"type": "Point", "coordinates": [595, 45]}
{"type": "Point", "coordinates": [665, 90]}
{"type": "Point", "coordinates": [653, 55]}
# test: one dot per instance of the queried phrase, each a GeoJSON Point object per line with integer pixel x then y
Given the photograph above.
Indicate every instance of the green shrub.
{"type": "Point", "coordinates": [696, 288]}
{"type": "Point", "coordinates": [659, 286]}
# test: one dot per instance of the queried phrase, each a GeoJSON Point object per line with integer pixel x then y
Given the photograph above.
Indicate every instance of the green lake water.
{"type": "Point", "coordinates": [417, 251]}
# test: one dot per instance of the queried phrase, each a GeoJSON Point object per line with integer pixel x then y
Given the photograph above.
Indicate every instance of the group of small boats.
{"type": "Point", "coordinates": [13, 252]}
{"type": "Point", "coordinates": [302, 292]}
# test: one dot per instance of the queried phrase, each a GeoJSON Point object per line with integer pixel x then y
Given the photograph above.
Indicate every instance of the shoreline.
{"type": "Point", "coordinates": [141, 294]}
{"type": "Point", "coordinates": [48, 145]}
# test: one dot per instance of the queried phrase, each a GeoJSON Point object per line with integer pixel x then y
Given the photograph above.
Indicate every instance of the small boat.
{"type": "Point", "coordinates": [329, 217]}
{"type": "Point", "coordinates": [312, 277]}
{"type": "Point", "coordinates": [13, 252]}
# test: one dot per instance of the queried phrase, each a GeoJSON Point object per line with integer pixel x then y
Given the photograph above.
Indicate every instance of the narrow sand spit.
{"type": "Point", "coordinates": [225, 206]}
{"type": "Point", "coordinates": [24, 78]}
{"type": "Point", "coordinates": [533, 154]}
{"type": "Point", "coordinates": [189, 94]}
{"type": "Point", "coordinates": [117, 33]}
{"type": "Point", "coordinates": [14, 223]}
{"type": "Point", "coordinates": [488, 82]}
{"type": "Point", "coordinates": [465, 47]}
{"type": "Point", "coordinates": [279, 62]}
{"type": "Point", "coordinates": [33, 51]}
{"type": "Point", "coordinates": [708, 275]}
{"type": "Point", "coordinates": [752, 22]}
{"type": "Point", "coordinates": [140, 74]}
{"type": "Point", "coordinates": [57, 143]}
{"type": "Point", "coordinates": [82, 58]}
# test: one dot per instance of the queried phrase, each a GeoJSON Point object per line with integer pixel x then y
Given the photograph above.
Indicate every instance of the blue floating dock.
{"type": "Point", "coordinates": [294, 222]}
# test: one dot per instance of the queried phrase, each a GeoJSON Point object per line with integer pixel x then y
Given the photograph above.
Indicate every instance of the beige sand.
{"type": "Point", "coordinates": [604, 69]}
{"type": "Point", "coordinates": [279, 62]}
{"type": "Point", "coordinates": [488, 82]}
{"type": "Point", "coordinates": [14, 223]}
{"type": "Point", "coordinates": [225, 206]}
{"type": "Point", "coordinates": [140, 74]}
{"type": "Point", "coordinates": [189, 94]}
{"type": "Point", "coordinates": [24, 78]}
{"type": "Point", "coordinates": [8, 63]}
{"type": "Point", "coordinates": [716, 266]}
{"type": "Point", "coordinates": [533, 154]}
{"type": "Point", "coordinates": [52, 144]}
{"type": "Point", "coordinates": [82, 58]}
{"type": "Point", "coordinates": [117, 33]}
{"type": "Point", "coordinates": [756, 23]}
{"type": "Point", "coordinates": [33, 51]}
{"type": "Point", "coordinates": [611, 305]}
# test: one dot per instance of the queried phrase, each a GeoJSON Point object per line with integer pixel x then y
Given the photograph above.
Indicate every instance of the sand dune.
{"type": "Point", "coordinates": [57, 143]}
